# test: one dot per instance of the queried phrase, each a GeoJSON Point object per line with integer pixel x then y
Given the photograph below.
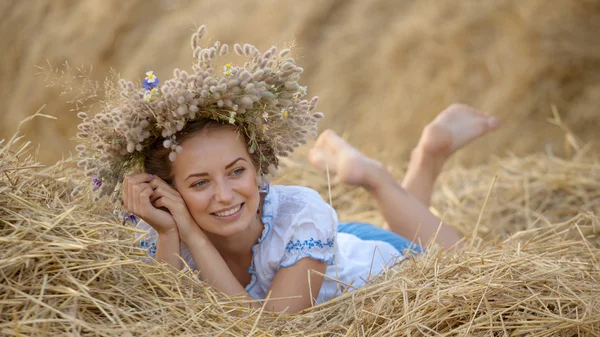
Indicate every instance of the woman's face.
{"type": "Point", "coordinates": [217, 180]}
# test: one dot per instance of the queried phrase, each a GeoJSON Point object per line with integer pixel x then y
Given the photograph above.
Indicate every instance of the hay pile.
{"type": "Point", "coordinates": [68, 266]}
{"type": "Point", "coordinates": [400, 60]}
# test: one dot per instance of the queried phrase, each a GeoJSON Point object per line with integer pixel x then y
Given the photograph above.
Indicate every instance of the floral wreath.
{"type": "Point", "coordinates": [262, 98]}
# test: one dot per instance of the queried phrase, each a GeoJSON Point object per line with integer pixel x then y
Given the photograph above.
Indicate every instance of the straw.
{"type": "Point", "coordinates": [70, 266]}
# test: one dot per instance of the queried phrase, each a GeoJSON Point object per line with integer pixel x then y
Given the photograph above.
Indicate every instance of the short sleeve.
{"type": "Point", "coordinates": [312, 233]}
{"type": "Point", "coordinates": [149, 239]}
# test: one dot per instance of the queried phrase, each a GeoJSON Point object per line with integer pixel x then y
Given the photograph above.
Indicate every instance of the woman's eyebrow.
{"type": "Point", "coordinates": [193, 175]}
{"type": "Point", "coordinates": [233, 163]}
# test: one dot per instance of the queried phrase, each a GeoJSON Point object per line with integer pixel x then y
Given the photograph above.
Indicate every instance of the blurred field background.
{"type": "Point", "coordinates": [383, 68]}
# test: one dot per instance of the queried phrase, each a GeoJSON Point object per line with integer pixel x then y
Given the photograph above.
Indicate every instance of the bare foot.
{"type": "Point", "coordinates": [451, 130]}
{"type": "Point", "coordinates": [350, 166]}
{"type": "Point", "coordinates": [454, 128]}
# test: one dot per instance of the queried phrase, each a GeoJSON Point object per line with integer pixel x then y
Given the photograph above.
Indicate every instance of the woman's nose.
{"type": "Point", "coordinates": [223, 193]}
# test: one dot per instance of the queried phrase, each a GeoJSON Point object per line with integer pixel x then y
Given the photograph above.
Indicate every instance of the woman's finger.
{"type": "Point", "coordinates": [159, 203]}
{"type": "Point", "coordinates": [128, 183]}
{"type": "Point", "coordinates": [140, 198]}
{"type": "Point", "coordinates": [166, 191]}
{"type": "Point", "coordinates": [158, 182]}
{"type": "Point", "coordinates": [144, 204]}
{"type": "Point", "coordinates": [125, 193]}
{"type": "Point", "coordinates": [173, 203]}
{"type": "Point", "coordinates": [128, 194]}
{"type": "Point", "coordinates": [162, 192]}
{"type": "Point", "coordinates": [155, 195]}
{"type": "Point", "coordinates": [139, 178]}
{"type": "Point", "coordinates": [167, 203]}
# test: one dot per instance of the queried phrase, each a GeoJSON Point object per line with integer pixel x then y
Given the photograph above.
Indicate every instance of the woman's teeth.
{"type": "Point", "coordinates": [229, 212]}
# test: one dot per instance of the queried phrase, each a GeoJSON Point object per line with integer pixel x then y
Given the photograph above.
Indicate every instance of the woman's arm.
{"type": "Point", "coordinates": [168, 249]}
{"type": "Point", "coordinates": [291, 282]}
{"type": "Point", "coordinates": [209, 262]}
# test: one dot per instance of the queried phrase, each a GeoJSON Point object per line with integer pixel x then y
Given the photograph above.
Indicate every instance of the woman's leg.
{"type": "Point", "coordinates": [451, 130]}
{"type": "Point", "coordinates": [407, 214]}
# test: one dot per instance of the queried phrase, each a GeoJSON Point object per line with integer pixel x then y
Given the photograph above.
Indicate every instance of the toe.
{"type": "Point", "coordinates": [492, 122]}
{"type": "Point", "coordinates": [326, 135]}
{"type": "Point", "coordinates": [316, 158]}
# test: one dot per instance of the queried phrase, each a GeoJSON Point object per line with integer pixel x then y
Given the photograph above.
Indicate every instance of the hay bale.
{"type": "Point", "coordinates": [402, 61]}
{"type": "Point", "coordinates": [70, 266]}
{"type": "Point", "coordinates": [545, 286]}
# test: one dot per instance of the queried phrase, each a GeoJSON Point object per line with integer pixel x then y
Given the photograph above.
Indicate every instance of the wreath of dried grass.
{"type": "Point", "coordinates": [262, 98]}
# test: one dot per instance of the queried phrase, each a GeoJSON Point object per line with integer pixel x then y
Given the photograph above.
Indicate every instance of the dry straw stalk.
{"type": "Point", "coordinates": [69, 266]}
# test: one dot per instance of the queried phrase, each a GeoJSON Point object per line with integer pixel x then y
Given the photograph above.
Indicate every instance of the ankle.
{"type": "Point", "coordinates": [377, 177]}
{"type": "Point", "coordinates": [422, 160]}
{"type": "Point", "coordinates": [436, 141]}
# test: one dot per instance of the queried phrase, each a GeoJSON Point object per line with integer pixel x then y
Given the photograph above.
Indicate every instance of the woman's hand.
{"type": "Point", "coordinates": [140, 199]}
{"type": "Point", "coordinates": [165, 197]}
{"type": "Point", "coordinates": [159, 204]}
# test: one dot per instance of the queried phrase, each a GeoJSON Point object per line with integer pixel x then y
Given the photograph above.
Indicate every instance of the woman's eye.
{"type": "Point", "coordinates": [200, 183]}
{"type": "Point", "coordinates": [238, 171]}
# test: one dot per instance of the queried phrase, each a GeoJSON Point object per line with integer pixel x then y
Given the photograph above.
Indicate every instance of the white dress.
{"type": "Point", "coordinates": [300, 224]}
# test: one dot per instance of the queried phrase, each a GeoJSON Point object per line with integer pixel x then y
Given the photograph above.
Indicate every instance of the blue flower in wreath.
{"type": "Point", "coordinates": [151, 81]}
{"type": "Point", "coordinates": [97, 182]}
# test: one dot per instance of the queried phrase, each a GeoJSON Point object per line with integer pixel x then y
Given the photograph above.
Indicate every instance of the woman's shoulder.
{"type": "Point", "coordinates": [293, 191]}
{"type": "Point", "coordinates": [292, 210]}
{"type": "Point", "coordinates": [298, 223]}
{"type": "Point", "coordinates": [291, 198]}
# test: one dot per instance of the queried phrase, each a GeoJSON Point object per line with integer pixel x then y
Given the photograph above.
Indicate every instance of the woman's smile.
{"type": "Point", "coordinates": [229, 214]}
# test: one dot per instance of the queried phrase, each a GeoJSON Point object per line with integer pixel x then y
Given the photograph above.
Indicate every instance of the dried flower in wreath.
{"type": "Point", "coordinates": [263, 98]}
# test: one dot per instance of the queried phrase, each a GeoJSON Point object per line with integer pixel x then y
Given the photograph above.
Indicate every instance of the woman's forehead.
{"type": "Point", "coordinates": [217, 147]}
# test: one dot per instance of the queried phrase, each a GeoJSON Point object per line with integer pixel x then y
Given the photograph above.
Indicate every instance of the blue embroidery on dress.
{"type": "Point", "coordinates": [151, 247]}
{"type": "Point", "coordinates": [307, 244]}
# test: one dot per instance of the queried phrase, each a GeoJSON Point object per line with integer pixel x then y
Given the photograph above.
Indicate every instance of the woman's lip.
{"type": "Point", "coordinates": [227, 209]}
{"type": "Point", "coordinates": [233, 216]}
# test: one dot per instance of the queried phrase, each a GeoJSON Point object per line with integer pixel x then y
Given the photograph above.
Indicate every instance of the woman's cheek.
{"type": "Point", "coordinates": [194, 202]}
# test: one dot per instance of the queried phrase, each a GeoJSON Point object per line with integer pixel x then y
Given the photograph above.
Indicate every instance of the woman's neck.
{"type": "Point", "coordinates": [239, 244]}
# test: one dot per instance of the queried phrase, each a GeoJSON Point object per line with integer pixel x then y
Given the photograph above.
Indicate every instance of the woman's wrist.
{"type": "Point", "coordinates": [169, 232]}
{"type": "Point", "coordinates": [193, 234]}
{"type": "Point", "coordinates": [168, 248]}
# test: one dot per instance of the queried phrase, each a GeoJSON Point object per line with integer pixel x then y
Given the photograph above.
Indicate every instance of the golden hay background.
{"type": "Point", "coordinates": [383, 68]}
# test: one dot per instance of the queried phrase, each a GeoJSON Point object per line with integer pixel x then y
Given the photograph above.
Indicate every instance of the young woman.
{"type": "Point", "coordinates": [285, 242]}
{"type": "Point", "coordinates": [207, 142]}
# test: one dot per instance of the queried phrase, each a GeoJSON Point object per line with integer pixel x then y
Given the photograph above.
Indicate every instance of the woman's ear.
{"type": "Point", "coordinates": [258, 181]}
{"type": "Point", "coordinates": [263, 184]}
